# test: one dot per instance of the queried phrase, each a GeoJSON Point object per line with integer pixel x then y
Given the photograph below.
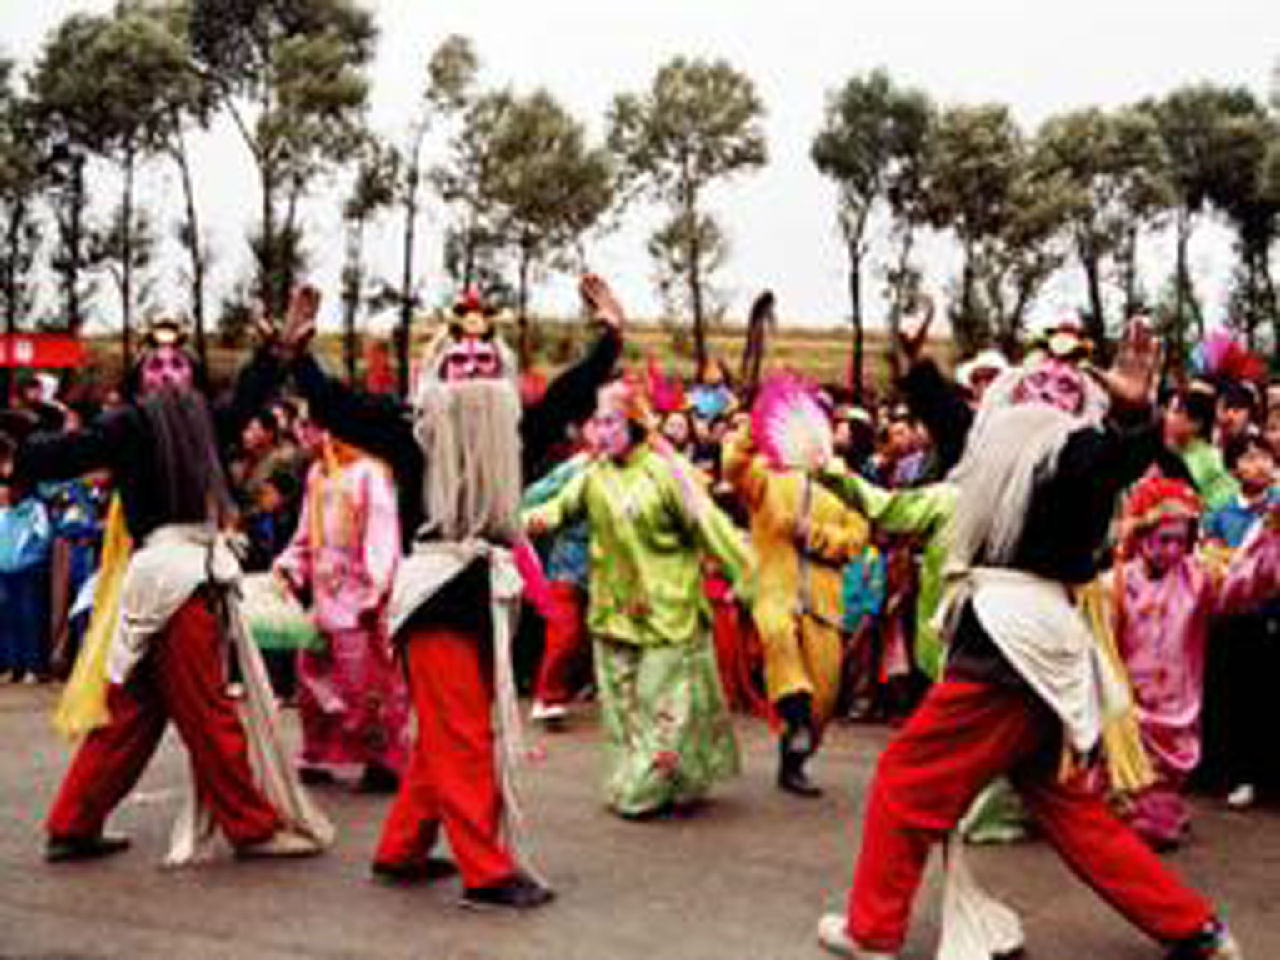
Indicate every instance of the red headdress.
{"type": "Point", "coordinates": [1153, 499]}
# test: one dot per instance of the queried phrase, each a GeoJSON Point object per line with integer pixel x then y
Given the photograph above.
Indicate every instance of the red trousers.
{"type": "Point", "coordinates": [962, 736]}
{"type": "Point", "coordinates": [183, 679]}
{"type": "Point", "coordinates": [452, 780]}
{"type": "Point", "coordinates": [566, 640]}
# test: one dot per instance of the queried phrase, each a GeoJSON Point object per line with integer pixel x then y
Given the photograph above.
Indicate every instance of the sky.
{"type": "Point", "coordinates": [1038, 58]}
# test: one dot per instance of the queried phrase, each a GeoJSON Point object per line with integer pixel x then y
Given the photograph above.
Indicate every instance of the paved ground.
{"type": "Point", "coordinates": [746, 878]}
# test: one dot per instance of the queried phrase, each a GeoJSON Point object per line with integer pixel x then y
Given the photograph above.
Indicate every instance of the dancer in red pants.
{"type": "Point", "coordinates": [167, 657]}
{"type": "Point", "coordinates": [459, 453]}
{"type": "Point", "coordinates": [1044, 461]}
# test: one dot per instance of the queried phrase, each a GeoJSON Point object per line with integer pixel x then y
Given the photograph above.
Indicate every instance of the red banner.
{"type": "Point", "coordinates": [42, 350]}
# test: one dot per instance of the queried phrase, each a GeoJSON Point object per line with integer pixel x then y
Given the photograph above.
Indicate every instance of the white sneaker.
{"type": "Point", "coordinates": [548, 712]}
{"type": "Point", "coordinates": [833, 934]}
{"type": "Point", "coordinates": [1242, 797]}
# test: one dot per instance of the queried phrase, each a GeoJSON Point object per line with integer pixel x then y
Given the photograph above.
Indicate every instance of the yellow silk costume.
{"type": "Point", "coordinates": [798, 602]}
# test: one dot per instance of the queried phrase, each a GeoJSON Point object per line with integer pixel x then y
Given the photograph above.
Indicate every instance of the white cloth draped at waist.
{"type": "Point", "coordinates": [172, 563]}
{"type": "Point", "coordinates": [1036, 625]}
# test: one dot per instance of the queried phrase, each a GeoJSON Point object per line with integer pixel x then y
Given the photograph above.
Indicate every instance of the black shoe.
{"type": "Point", "coordinates": [520, 892]}
{"type": "Point", "coordinates": [796, 781]}
{"type": "Point", "coordinates": [791, 761]}
{"type": "Point", "coordinates": [315, 776]}
{"type": "Point", "coordinates": [70, 849]}
{"type": "Point", "coordinates": [378, 779]}
{"type": "Point", "coordinates": [417, 871]}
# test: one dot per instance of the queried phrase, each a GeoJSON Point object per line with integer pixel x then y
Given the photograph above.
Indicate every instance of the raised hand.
{"type": "Point", "coordinates": [602, 302]}
{"type": "Point", "coordinates": [1131, 381]}
{"type": "Point", "coordinates": [264, 326]}
{"type": "Point", "coordinates": [300, 319]}
{"type": "Point", "coordinates": [914, 329]}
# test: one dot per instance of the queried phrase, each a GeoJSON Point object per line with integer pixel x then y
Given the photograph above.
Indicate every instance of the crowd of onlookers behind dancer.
{"type": "Point", "coordinates": [50, 537]}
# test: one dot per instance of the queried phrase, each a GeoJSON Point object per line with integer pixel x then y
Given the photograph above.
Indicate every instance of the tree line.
{"type": "Point", "coordinates": [527, 191]}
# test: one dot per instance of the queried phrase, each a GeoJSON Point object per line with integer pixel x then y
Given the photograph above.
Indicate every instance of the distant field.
{"type": "Point", "coordinates": [821, 353]}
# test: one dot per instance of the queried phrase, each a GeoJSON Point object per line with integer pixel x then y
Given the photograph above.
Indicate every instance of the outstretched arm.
{"type": "Point", "coordinates": [377, 424]}
{"type": "Point", "coordinates": [103, 443]}
{"type": "Point", "coordinates": [571, 397]}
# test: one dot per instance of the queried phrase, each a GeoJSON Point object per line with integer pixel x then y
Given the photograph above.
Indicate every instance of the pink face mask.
{"type": "Point", "coordinates": [471, 359]}
{"type": "Point", "coordinates": [1053, 384]}
{"type": "Point", "coordinates": [1166, 545]}
{"type": "Point", "coordinates": [166, 368]}
{"type": "Point", "coordinates": [611, 433]}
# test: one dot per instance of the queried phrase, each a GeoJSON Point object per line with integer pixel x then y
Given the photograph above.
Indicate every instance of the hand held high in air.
{"type": "Point", "coordinates": [602, 302]}
{"type": "Point", "coordinates": [299, 326]}
{"type": "Point", "coordinates": [1131, 380]}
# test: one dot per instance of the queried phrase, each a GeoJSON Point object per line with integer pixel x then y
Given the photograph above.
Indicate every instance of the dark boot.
{"type": "Point", "coordinates": [799, 742]}
{"type": "Point", "coordinates": [791, 773]}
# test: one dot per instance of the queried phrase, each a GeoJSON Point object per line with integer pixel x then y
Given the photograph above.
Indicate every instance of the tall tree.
{"type": "Point", "coordinates": [871, 144]}
{"type": "Point", "coordinates": [19, 190]}
{"type": "Point", "coordinates": [699, 122]}
{"type": "Point", "coordinates": [1027, 246]}
{"type": "Point", "coordinates": [451, 73]}
{"type": "Point", "coordinates": [1247, 193]}
{"type": "Point", "coordinates": [126, 252]}
{"type": "Point", "coordinates": [1191, 121]}
{"type": "Point", "coordinates": [106, 84]}
{"type": "Point", "coordinates": [373, 190]}
{"type": "Point", "coordinates": [466, 180]}
{"type": "Point", "coordinates": [975, 159]}
{"type": "Point", "coordinates": [292, 74]}
{"type": "Point", "coordinates": [1110, 167]}
{"type": "Point", "coordinates": [549, 189]}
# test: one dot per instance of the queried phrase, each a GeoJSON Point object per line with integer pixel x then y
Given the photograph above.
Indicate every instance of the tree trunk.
{"type": "Point", "coordinates": [899, 303]}
{"type": "Point", "coordinates": [194, 250]}
{"type": "Point", "coordinates": [13, 248]}
{"type": "Point", "coordinates": [855, 316]}
{"type": "Point", "coordinates": [522, 305]}
{"type": "Point", "coordinates": [267, 257]}
{"type": "Point", "coordinates": [695, 281]}
{"type": "Point", "coordinates": [1181, 288]}
{"type": "Point", "coordinates": [1097, 325]}
{"type": "Point", "coordinates": [126, 262]}
{"type": "Point", "coordinates": [1129, 273]}
{"type": "Point", "coordinates": [966, 325]}
{"type": "Point", "coordinates": [406, 280]}
{"type": "Point", "coordinates": [354, 277]}
{"type": "Point", "coordinates": [75, 313]}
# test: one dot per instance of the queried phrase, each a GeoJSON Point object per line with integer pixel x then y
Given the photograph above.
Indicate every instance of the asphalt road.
{"type": "Point", "coordinates": [745, 878]}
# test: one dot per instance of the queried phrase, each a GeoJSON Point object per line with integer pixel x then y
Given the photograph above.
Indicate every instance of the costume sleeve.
{"type": "Point", "coordinates": [743, 470]}
{"type": "Point", "coordinates": [565, 507]}
{"type": "Point", "coordinates": [543, 490]}
{"type": "Point", "coordinates": [101, 445]}
{"type": "Point", "coordinates": [839, 539]}
{"type": "Point", "coordinates": [913, 511]}
{"type": "Point", "coordinates": [294, 562]}
{"type": "Point", "coordinates": [1253, 574]}
{"type": "Point", "coordinates": [1100, 463]}
{"type": "Point", "coordinates": [570, 398]}
{"type": "Point", "coordinates": [710, 526]}
{"type": "Point", "coordinates": [258, 381]}
{"type": "Point", "coordinates": [378, 425]}
{"type": "Point", "coordinates": [937, 403]}
{"type": "Point", "coordinates": [381, 532]}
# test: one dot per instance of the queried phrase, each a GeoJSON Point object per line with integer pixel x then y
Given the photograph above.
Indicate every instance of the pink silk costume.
{"type": "Point", "coordinates": [1162, 635]}
{"type": "Point", "coordinates": [352, 697]}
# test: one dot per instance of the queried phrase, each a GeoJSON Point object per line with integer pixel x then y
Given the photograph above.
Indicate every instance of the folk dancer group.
{"type": "Point", "coordinates": [1040, 464]}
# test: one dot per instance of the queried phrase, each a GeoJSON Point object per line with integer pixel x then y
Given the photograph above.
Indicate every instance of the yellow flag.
{"type": "Point", "coordinates": [83, 706]}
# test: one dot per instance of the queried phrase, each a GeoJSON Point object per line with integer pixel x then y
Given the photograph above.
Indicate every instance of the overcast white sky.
{"type": "Point", "coordinates": [1039, 58]}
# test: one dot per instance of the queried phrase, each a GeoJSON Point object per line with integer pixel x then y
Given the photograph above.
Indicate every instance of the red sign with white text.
{"type": "Point", "coordinates": [41, 350]}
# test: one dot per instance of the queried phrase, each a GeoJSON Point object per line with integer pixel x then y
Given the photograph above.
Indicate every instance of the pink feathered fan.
{"type": "Point", "coordinates": [790, 426]}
